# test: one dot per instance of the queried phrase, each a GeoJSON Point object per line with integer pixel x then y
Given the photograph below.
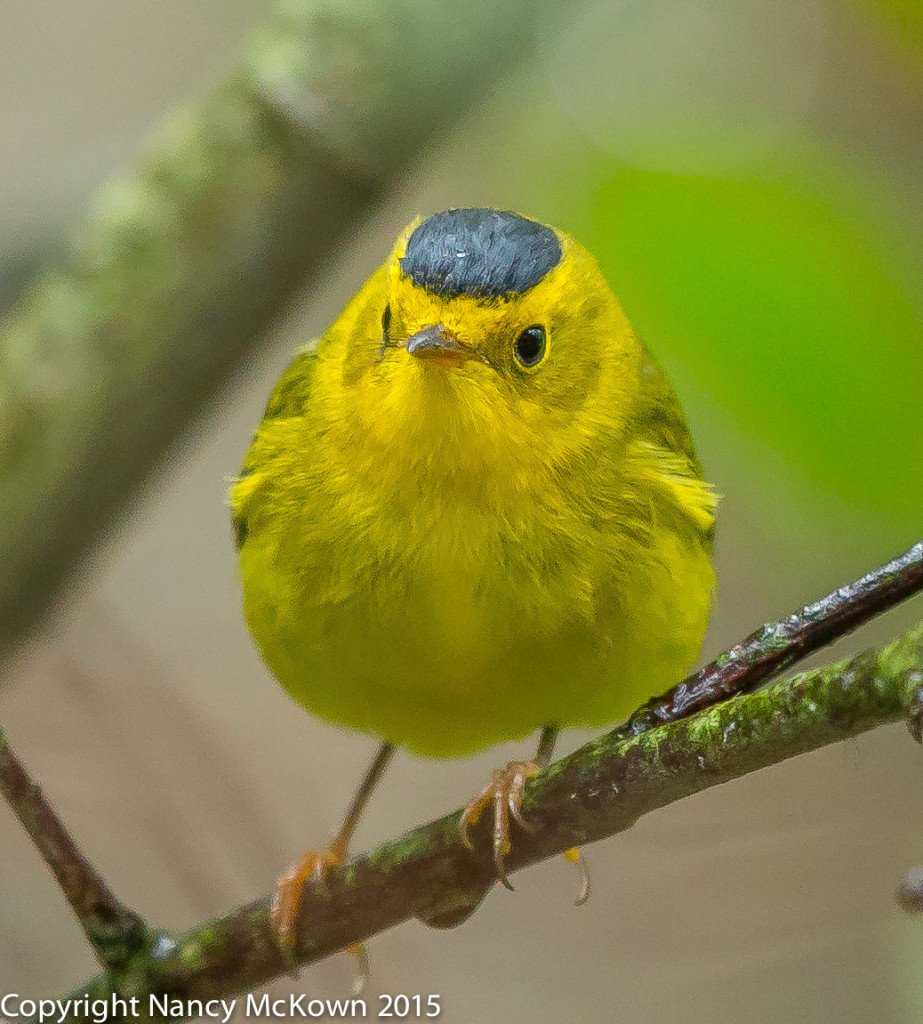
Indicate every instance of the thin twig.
{"type": "Point", "coordinates": [114, 931]}
{"type": "Point", "coordinates": [775, 647]}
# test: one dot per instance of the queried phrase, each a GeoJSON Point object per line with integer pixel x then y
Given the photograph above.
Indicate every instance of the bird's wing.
{"type": "Point", "coordinates": [666, 439]}
{"type": "Point", "coordinates": [289, 398]}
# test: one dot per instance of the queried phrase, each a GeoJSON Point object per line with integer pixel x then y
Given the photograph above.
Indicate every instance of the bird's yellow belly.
{"type": "Point", "coordinates": [469, 656]}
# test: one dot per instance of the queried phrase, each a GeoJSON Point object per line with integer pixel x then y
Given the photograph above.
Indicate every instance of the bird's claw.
{"type": "Point", "coordinates": [504, 792]}
{"type": "Point", "coordinates": [283, 916]}
{"type": "Point", "coordinates": [575, 857]}
{"type": "Point", "coordinates": [363, 967]}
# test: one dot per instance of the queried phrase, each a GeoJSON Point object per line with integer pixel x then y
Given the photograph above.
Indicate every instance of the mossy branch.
{"type": "Point", "coordinates": [182, 265]}
{"type": "Point", "coordinates": [598, 791]}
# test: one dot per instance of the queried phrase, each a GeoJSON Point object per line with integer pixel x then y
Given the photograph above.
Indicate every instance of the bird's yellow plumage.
{"type": "Point", "coordinates": [451, 554]}
{"type": "Point", "coordinates": [474, 510]}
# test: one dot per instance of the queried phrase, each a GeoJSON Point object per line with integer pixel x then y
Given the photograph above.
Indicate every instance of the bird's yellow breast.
{"type": "Point", "coordinates": [449, 556]}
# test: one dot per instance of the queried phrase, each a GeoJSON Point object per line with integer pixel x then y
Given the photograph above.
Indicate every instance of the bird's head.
{"type": "Point", "coordinates": [499, 333]}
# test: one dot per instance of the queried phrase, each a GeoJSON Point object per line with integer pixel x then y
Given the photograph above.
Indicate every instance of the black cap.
{"type": "Point", "coordinates": [482, 253]}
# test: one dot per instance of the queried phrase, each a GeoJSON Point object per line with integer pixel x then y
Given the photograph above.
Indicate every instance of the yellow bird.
{"type": "Point", "coordinates": [473, 511]}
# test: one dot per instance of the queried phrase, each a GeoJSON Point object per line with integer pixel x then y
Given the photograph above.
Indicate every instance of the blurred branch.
{"type": "Point", "coordinates": [114, 932]}
{"type": "Point", "coordinates": [181, 266]}
{"type": "Point", "coordinates": [598, 791]}
{"type": "Point", "coordinates": [909, 893]}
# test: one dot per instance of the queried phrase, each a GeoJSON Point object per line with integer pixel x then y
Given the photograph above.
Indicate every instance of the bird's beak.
{"type": "Point", "coordinates": [439, 345]}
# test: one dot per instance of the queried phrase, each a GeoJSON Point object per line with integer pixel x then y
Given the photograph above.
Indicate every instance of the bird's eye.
{"type": "Point", "coordinates": [529, 348]}
{"type": "Point", "coordinates": [386, 320]}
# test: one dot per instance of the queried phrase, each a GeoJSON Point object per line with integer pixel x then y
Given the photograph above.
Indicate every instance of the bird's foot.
{"type": "Point", "coordinates": [313, 867]}
{"type": "Point", "coordinates": [504, 792]}
{"type": "Point", "coordinates": [283, 918]}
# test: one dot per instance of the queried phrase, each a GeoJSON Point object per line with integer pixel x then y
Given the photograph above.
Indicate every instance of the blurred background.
{"type": "Point", "coordinates": [750, 175]}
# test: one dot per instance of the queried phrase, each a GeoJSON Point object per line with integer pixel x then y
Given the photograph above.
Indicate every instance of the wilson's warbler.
{"type": "Point", "coordinates": [474, 510]}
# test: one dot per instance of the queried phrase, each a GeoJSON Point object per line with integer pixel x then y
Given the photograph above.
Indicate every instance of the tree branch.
{"type": "Point", "coordinates": [598, 791]}
{"type": "Point", "coordinates": [114, 932]}
{"type": "Point", "coordinates": [774, 647]}
{"type": "Point", "coordinates": [182, 265]}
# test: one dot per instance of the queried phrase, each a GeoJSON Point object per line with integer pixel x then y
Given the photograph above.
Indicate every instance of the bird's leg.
{"type": "Point", "coordinates": [315, 864]}
{"type": "Point", "coordinates": [504, 792]}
